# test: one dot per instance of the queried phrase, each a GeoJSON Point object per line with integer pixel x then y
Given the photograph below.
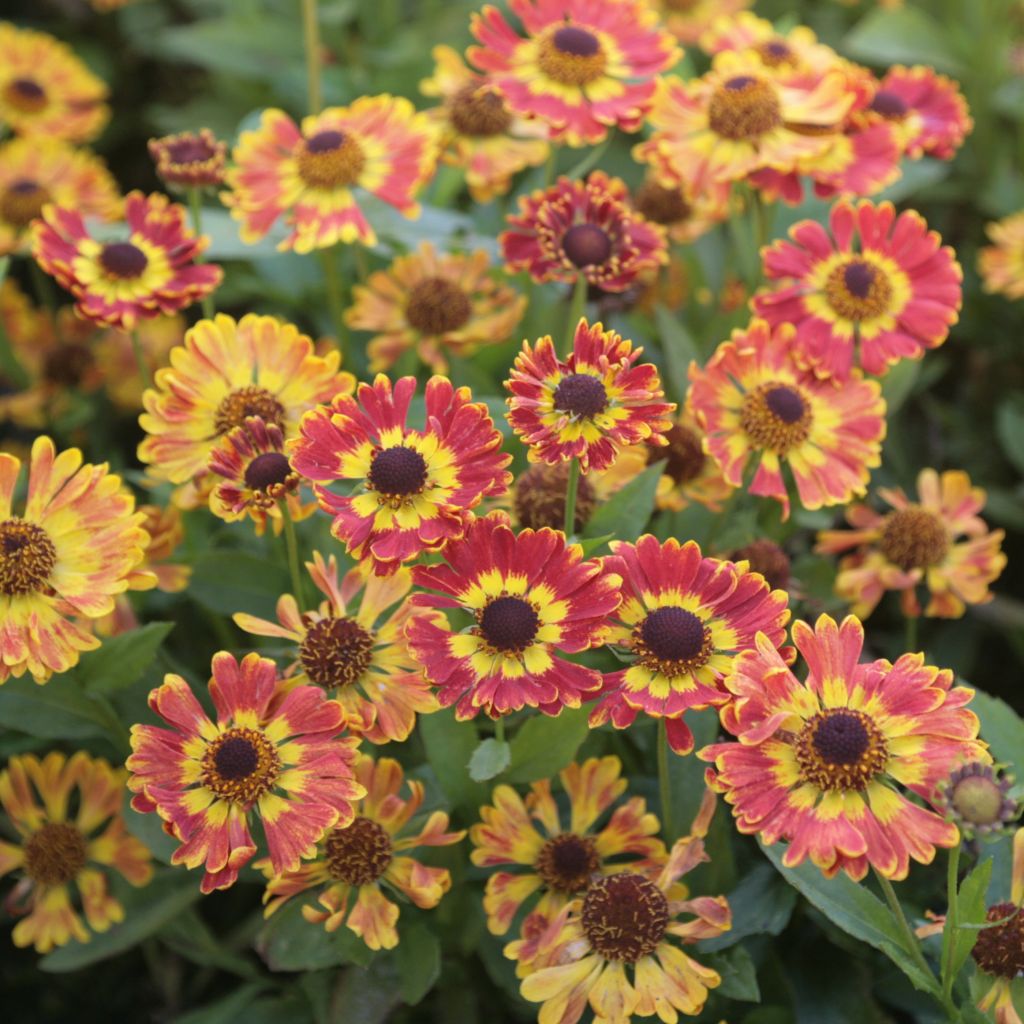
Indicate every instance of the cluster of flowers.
{"type": "Point", "coordinates": [465, 592]}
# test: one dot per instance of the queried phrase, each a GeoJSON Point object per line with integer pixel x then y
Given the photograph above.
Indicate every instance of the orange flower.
{"type": "Point", "coordinates": [1001, 264]}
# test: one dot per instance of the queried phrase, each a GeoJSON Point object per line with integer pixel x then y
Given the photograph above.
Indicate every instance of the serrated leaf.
{"type": "Point", "coordinates": [627, 512]}
{"type": "Point", "coordinates": [971, 907]}
{"type": "Point", "coordinates": [288, 942]}
{"type": "Point", "coordinates": [762, 904]}
{"type": "Point", "coordinates": [450, 744]}
{"type": "Point", "coordinates": [543, 745]}
{"type": "Point", "coordinates": [739, 977]}
{"type": "Point", "coordinates": [678, 349]}
{"type": "Point", "coordinates": [1001, 727]}
{"type": "Point", "coordinates": [905, 35]}
{"type": "Point", "coordinates": [122, 659]}
{"type": "Point", "coordinates": [489, 759]}
{"type": "Point", "coordinates": [419, 963]}
{"type": "Point", "coordinates": [60, 710]}
{"type": "Point", "coordinates": [226, 582]}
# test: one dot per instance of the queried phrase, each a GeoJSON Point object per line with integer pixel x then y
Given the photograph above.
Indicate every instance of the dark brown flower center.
{"type": "Point", "coordinates": [240, 765]}
{"type": "Point", "coordinates": [22, 202]}
{"type": "Point", "coordinates": [840, 749]}
{"type": "Point", "coordinates": [999, 950]}
{"type": "Point", "coordinates": [744, 108]}
{"type": "Point", "coordinates": [567, 862]}
{"type": "Point", "coordinates": [26, 95]}
{"type": "Point", "coordinates": [55, 853]}
{"type": "Point", "coordinates": [673, 634]}
{"type": "Point", "coordinates": [776, 53]}
{"type": "Point", "coordinates": [190, 149]}
{"type": "Point", "coordinates": [539, 497]}
{"type": "Point", "coordinates": [359, 854]}
{"type": "Point", "coordinates": [572, 56]}
{"type": "Point", "coordinates": [267, 470]}
{"type": "Point", "coordinates": [251, 400]}
{"type": "Point", "coordinates": [336, 652]}
{"type": "Point", "coordinates": [586, 245]}
{"type": "Point", "coordinates": [27, 557]}
{"type": "Point", "coordinates": [767, 558]}
{"type": "Point", "coordinates": [776, 416]}
{"type": "Point", "coordinates": [509, 624]}
{"type": "Point", "coordinates": [624, 916]}
{"type": "Point", "coordinates": [398, 471]}
{"type": "Point", "coordinates": [330, 159]}
{"type": "Point", "coordinates": [858, 290]}
{"type": "Point", "coordinates": [660, 204]}
{"type": "Point", "coordinates": [914, 538]}
{"type": "Point", "coordinates": [437, 306]}
{"type": "Point", "coordinates": [581, 395]}
{"type": "Point", "coordinates": [889, 105]}
{"type": "Point", "coordinates": [479, 112]}
{"type": "Point", "coordinates": [67, 365]}
{"type": "Point", "coordinates": [684, 454]}
{"type": "Point", "coordinates": [123, 260]}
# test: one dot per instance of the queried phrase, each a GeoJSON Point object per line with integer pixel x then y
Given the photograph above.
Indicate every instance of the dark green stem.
{"type": "Point", "coordinates": [665, 783]}
{"type": "Point", "coordinates": [140, 359]}
{"type": "Point", "coordinates": [576, 306]}
{"type": "Point", "coordinates": [292, 545]}
{"type": "Point", "coordinates": [195, 205]}
{"type": "Point", "coordinates": [311, 43]}
{"type": "Point", "coordinates": [571, 489]}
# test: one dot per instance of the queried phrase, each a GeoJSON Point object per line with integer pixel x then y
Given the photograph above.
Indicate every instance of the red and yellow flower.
{"type": "Point", "coordinates": [66, 813]}
{"type": "Point", "coordinates": [588, 228]}
{"type": "Point", "coordinates": [62, 560]}
{"type": "Point", "coordinates": [34, 172]}
{"type": "Point", "coordinates": [586, 954]}
{"type": "Point", "coordinates": [417, 486]}
{"type": "Point", "coordinates": [874, 285]}
{"type": "Point", "coordinates": [354, 648]}
{"type": "Point", "coordinates": [114, 352]}
{"type": "Point", "coordinates": [45, 90]}
{"type": "Point", "coordinates": [1001, 264]}
{"type": "Point", "coordinates": [224, 372]}
{"type": "Point", "coordinates": [306, 174]}
{"type": "Point", "coordinates": [560, 861]}
{"type": "Point", "coordinates": [819, 764]}
{"type": "Point", "coordinates": [190, 159]}
{"type": "Point", "coordinates": [479, 134]}
{"type": "Point", "coordinates": [939, 542]}
{"type": "Point", "coordinates": [151, 272]}
{"type": "Point", "coordinates": [588, 406]}
{"type": "Point", "coordinates": [756, 404]}
{"type": "Point", "coordinates": [690, 475]}
{"type": "Point", "coordinates": [688, 20]}
{"type": "Point", "coordinates": [533, 597]}
{"type": "Point", "coordinates": [364, 856]}
{"type": "Point", "coordinates": [685, 214]}
{"type": "Point", "coordinates": [684, 618]}
{"type": "Point", "coordinates": [788, 56]}
{"type": "Point", "coordinates": [276, 756]}
{"type": "Point", "coordinates": [435, 303]}
{"type": "Point", "coordinates": [738, 119]}
{"type": "Point", "coordinates": [582, 67]}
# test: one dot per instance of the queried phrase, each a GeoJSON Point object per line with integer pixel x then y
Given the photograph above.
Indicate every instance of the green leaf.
{"type": "Point", "coordinates": [122, 659]}
{"type": "Point", "coordinates": [1001, 727]}
{"type": "Point", "coordinates": [678, 349]}
{"type": "Point", "coordinates": [228, 1010]}
{"type": "Point", "coordinates": [544, 745]}
{"type": "Point", "coordinates": [762, 904]}
{"type": "Point", "coordinates": [626, 513]}
{"type": "Point", "coordinates": [288, 942]}
{"type": "Point", "coordinates": [1010, 430]}
{"type": "Point", "coordinates": [419, 963]}
{"type": "Point", "coordinates": [855, 910]}
{"type": "Point", "coordinates": [906, 35]}
{"type": "Point", "coordinates": [490, 758]}
{"type": "Point", "coordinates": [60, 710]}
{"type": "Point", "coordinates": [970, 909]}
{"type": "Point", "coordinates": [226, 582]}
{"type": "Point", "coordinates": [739, 977]}
{"type": "Point", "coordinates": [149, 830]}
{"type": "Point", "coordinates": [147, 910]}
{"type": "Point", "coordinates": [450, 745]}
{"type": "Point", "coordinates": [188, 935]}
{"type": "Point", "coordinates": [898, 383]}
{"type": "Point", "coordinates": [915, 176]}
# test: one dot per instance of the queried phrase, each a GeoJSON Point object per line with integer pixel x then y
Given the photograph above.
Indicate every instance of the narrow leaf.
{"type": "Point", "coordinates": [626, 513]}
{"type": "Point", "coordinates": [122, 659]}
{"type": "Point", "coordinates": [543, 745]}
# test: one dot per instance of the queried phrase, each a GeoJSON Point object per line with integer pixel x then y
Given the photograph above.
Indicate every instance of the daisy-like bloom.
{"type": "Point", "coordinates": [625, 924]}
{"type": "Point", "coordinates": [767, 558]}
{"type": "Point", "coordinates": [999, 950]}
{"type": "Point", "coordinates": [534, 598]}
{"type": "Point", "coordinates": [588, 406]}
{"type": "Point", "coordinates": [360, 858]}
{"type": "Point", "coordinates": [255, 475]}
{"type": "Point", "coordinates": [939, 541]}
{"type": "Point", "coordinates": [587, 228]}
{"type": "Point", "coordinates": [582, 67]}
{"type": "Point", "coordinates": [1001, 264]}
{"type": "Point", "coordinates": [66, 813]}
{"type": "Point", "coordinates": [479, 134]}
{"type": "Point", "coordinates": [306, 174]}
{"type": "Point", "coordinates": [62, 560]}
{"type": "Point", "coordinates": [275, 756]}
{"type": "Point", "coordinates": [755, 403]}
{"type": "Point", "coordinates": [690, 475]}
{"type": "Point", "coordinates": [689, 20]}
{"type": "Point", "coordinates": [684, 618]}
{"type": "Point", "coordinates": [977, 797]}
{"type": "Point", "coordinates": [190, 159]}
{"type": "Point", "coordinates": [560, 858]}
{"type": "Point", "coordinates": [685, 214]}
{"type": "Point", "coordinates": [45, 90]}
{"type": "Point", "coordinates": [872, 286]}
{"type": "Point", "coordinates": [417, 485]}
{"type": "Point", "coordinates": [435, 303]}
{"type": "Point", "coordinates": [740, 118]}
{"type": "Point", "coordinates": [926, 110]}
{"type": "Point", "coordinates": [150, 272]}
{"type": "Point", "coordinates": [114, 355]}
{"type": "Point", "coordinates": [353, 647]}
{"type": "Point", "coordinates": [819, 763]}
{"type": "Point", "coordinates": [34, 172]}
{"type": "Point", "coordinates": [224, 372]}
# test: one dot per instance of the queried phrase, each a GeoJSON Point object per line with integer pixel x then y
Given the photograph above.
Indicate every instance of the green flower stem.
{"type": "Point", "coordinates": [571, 489]}
{"type": "Point", "coordinates": [550, 167]}
{"type": "Point", "coordinates": [499, 730]}
{"type": "Point", "coordinates": [665, 783]}
{"type": "Point", "coordinates": [576, 307]}
{"type": "Point", "coordinates": [140, 359]}
{"type": "Point", "coordinates": [952, 922]}
{"type": "Point", "coordinates": [195, 205]}
{"type": "Point", "coordinates": [311, 42]}
{"type": "Point", "coordinates": [910, 634]}
{"type": "Point", "coordinates": [332, 285]}
{"type": "Point", "coordinates": [292, 545]}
